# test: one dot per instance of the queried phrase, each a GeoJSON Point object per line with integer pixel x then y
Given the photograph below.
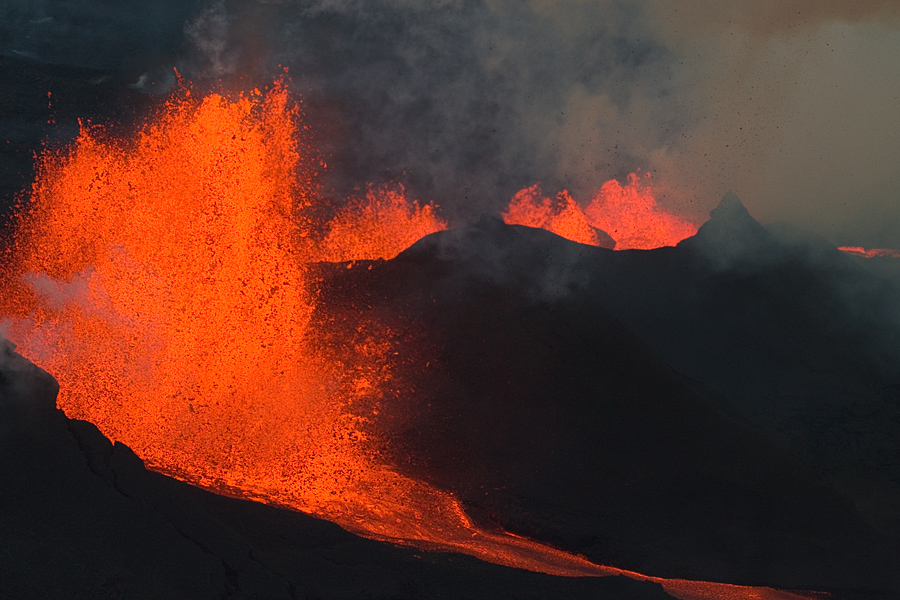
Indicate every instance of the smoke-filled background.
{"type": "Point", "coordinates": [795, 107]}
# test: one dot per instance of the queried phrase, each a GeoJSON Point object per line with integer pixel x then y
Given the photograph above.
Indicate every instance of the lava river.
{"type": "Point", "coordinates": [164, 281]}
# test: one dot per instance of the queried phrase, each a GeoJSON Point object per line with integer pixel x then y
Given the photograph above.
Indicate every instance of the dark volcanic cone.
{"type": "Point", "coordinates": [662, 411]}
{"type": "Point", "coordinates": [518, 390]}
{"type": "Point", "coordinates": [730, 234]}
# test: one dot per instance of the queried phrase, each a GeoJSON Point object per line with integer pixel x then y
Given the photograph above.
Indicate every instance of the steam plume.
{"type": "Point", "coordinates": [791, 106]}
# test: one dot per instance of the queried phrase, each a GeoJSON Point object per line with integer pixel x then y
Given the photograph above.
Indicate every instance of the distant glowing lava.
{"type": "Point", "coordinates": [164, 281]}
{"type": "Point", "coordinates": [628, 213]}
{"type": "Point", "coordinates": [871, 253]}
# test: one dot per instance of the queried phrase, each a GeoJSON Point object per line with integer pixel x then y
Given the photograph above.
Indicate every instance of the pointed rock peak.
{"type": "Point", "coordinates": [731, 232]}
{"type": "Point", "coordinates": [730, 208]}
{"type": "Point", "coordinates": [732, 219]}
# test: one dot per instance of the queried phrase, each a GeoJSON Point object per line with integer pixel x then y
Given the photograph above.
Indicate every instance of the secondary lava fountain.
{"type": "Point", "coordinates": [164, 282]}
{"type": "Point", "coordinates": [628, 213]}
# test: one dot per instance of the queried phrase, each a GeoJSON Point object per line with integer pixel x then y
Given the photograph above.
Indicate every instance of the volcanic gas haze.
{"type": "Point", "coordinates": [745, 96]}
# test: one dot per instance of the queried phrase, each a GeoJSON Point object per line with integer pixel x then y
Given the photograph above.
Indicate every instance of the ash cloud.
{"type": "Point", "coordinates": [767, 17]}
{"type": "Point", "coordinates": [468, 102]}
{"type": "Point", "coordinates": [791, 106]}
{"type": "Point", "coordinates": [209, 33]}
{"type": "Point", "coordinates": [798, 111]}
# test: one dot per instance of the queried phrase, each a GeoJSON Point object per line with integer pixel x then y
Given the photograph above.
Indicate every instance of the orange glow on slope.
{"type": "Point", "coordinates": [163, 282]}
{"type": "Point", "coordinates": [871, 253]}
{"type": "Point", "coordinates": [382, 225]}
{"type": "Point", "coordinates": [561, 215]}
{"type": "Point", "coordinates": [628, 213]}
{"type": "Point", "coordinates": [684, 589]}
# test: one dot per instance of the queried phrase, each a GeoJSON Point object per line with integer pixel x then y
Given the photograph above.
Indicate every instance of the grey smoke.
{"type": "Point", "coordinates": [209, 34]}
{"type": "Point", "coordinates": [468, 102]}
{"type": "Point", "coordinates": [792, 106]}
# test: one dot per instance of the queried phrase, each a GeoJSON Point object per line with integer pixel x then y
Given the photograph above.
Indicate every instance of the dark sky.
{"type": "Point", "coordinates": [792, 106]}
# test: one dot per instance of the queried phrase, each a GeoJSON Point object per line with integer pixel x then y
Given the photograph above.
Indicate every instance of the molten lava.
{"type": "Point", "coordinates": [163, 281]}
{"type": "Point", "coordinates": [168, 296]}
{"type": "Point", "coordinates": [561, 215]}
{"type": "Point", "coordinates": [628, 213]}
{"type": "Point", "coordinates": [381, 225]}
{"type": "Point", "coordinates": [870, 253]}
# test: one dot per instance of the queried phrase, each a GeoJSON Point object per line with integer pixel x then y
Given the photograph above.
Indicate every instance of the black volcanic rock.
{"type": "Point", "coordinates": [534, 262]}
{"type": "Point", "coordinates": [604, 240]}
{"type": "Point", "coordinates": [796, 338]}
{"type": "Point", "coordinates": [80, 517]}
{"type": "Point", "coordinates": [538, 405]}
{"type": "Point", "coordinates": [730, 234]}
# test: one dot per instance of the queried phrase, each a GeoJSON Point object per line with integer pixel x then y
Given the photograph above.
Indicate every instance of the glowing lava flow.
{"type": "Point", "coordinates": [628, 213]}
{"type": "Point", "coordinates": [163, 282]}
{"type": "Point", "coordinates": [870, 253]}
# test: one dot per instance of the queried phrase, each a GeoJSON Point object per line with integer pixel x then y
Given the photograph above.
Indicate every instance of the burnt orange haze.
{"type": "Point", "coordinates": [163, 280]}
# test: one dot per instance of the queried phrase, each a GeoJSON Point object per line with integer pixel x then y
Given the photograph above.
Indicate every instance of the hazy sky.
{"type": "Point", "coordinates": [792, 106]}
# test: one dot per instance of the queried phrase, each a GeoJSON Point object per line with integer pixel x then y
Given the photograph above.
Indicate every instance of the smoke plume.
{"type": "Point", "coordinates": [790, 106]}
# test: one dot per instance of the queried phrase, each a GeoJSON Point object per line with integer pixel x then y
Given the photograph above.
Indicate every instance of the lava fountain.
{"type": "Point", "coordinates": [164, 281]}
{"type": "Point", "coordinates": [561, 215]}
{"type": "Point", "coordinates": [628, 213]}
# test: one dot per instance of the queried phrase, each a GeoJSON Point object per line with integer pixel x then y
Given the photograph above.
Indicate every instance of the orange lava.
{"type": "Point", "coordinates": [169, 299]}
{"type": "Point", "coordinates": [163, 281]}
{"type": "Point", "coordinates": [870, 253]}
{"type": "Point", "coordinates": [684, 589]}
{"type": "Point", "coordinates": [561, 215]}
{"type": "Point", "coordinates": [382, 225]}
{"type": "Point", "coordinates": [628, 213]}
